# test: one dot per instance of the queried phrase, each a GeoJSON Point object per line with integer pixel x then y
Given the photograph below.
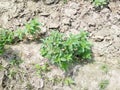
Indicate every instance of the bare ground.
{"type": "Point", "coordinates": [103, 26]}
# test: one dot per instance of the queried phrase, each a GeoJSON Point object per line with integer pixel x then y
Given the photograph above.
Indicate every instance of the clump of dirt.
{"type": "Point", "coordinates": [104, 33]}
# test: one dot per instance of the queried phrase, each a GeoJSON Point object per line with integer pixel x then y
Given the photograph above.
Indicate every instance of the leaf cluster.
{"type": "Point", "coordinates": [103, 84]}
{"type": "Point", "coordinates": [63, 51]}
{"type": "Point", "coordinates": [69, 81]}
{"type": "Point", "coordinates": [32, 28]}
{"type": "Point", "coordinates": [99, 3]}
{"type": "Point", "coordinates": [9, 37]}
{"type": "Point", "coordinates": [6, 37]}
{"type": "Point", "coordinates": [41, 69]}
{"type": "Point", "coordinates": [105, 68]}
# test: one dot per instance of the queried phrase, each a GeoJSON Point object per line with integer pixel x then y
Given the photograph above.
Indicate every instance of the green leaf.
{"type": "Point", "coordinates": [62, 51]}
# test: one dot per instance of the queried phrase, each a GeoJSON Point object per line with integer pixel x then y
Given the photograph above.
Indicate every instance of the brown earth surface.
{"type": "Point", "coordinates": [104, 33]}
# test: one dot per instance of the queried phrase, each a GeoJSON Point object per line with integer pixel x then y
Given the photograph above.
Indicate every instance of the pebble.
{"type": "Point", "coordinates": [66, 21]}
{"type": "Point", "coordinates": [70, 12]}
{"type": "Point", "coordinates": [45, 14]}
{"type": "Point", "coordinates": [54, 25]}
{"type": "Point", "coordinates": [49, 2]}
{"type": "Point", "coordinates": [43, 30]}
{"type": "Point", "coordinates": [74, 5]}
{"type": "Point", "coordinates": [98, 38]}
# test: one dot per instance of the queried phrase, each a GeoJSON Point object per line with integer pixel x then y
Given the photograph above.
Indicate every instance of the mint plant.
{"type": "Point", "coordinates": [99, 3]}
{"type": "Point", "coordinates": [19, 34]}
{"type": "Point", "coordinates": [32, 28]}
{"type": "Point", "coordinates": [63, 51]}
{"type": "Point", "coordinates": [8, 37]}
{"type": "Point", "coordinates": [15, 62]}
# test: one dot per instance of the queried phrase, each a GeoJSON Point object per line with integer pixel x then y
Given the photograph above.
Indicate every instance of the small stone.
{"type": "Point", "coordinates": [54, 15]}
{"type": "Point", "coordinates": [43, 30]}
{"type": "Point", "coordinates": [49, 2]}
{"type": "Point", "coordinates": [74, 31]}
{"type": "Point", "coordinates": [74, 5]}
{"type": "Point", "coordinates": [112, 6]}
{"type": "Point", "coordinates": [108, 39]}
{"type": "Point", "coordinates": [92, 23]}
{"type": "Point", "coordinates": [54, 26]}
{"type": "Point", "coordinates": [66, 21]}
{"type": "Point", "coordinates": [105, 10]}
{"type": "Point", "coordinates": [45, 14]}
{"type": "Point", "coordinates": [64, 28]}
{"type": "Point", "coordinates": [98, 38]}
{"type": "Point", "coordinates": [70, 12]}
{"type": "Point", "coordinates": [16, 22]}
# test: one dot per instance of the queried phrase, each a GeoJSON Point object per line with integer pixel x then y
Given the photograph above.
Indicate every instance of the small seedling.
{"type": "Point", "coordinates": [65, 1]}
{"type": "Point", "coordinates": [6, 37]}
{"type": "Point", "coordinates": [105, 68]}
{"type": "Point", "coordinates": [40, 69]}
{"type": "Point", "coordinates": [16, 62]}
{"type": "Point", "coordinates": [63, 51]}
{"type": "Point", "coordinates": [100, 3]}
{"type": "Point", "coordinates": [103, 84]}
{"type": "Point", "coordinates": [20, 34]}
{"type": "Point", "coordinates": [12, 73]}
{"type": "Point", "coordinates": [9, 37]}
{"type": "Point", "coordinates": [32, 28]}
{"type": "Point", "coordinates": [56, 80]}
{"type": "Point", "coordinates": [68, 81]}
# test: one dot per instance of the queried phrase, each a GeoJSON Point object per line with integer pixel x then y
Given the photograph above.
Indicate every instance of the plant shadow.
{"type": "Point", "coordinates": [11, 57]}
{"type": "Point", "coordinates": [10, 60]}
{"type": "Point", "coordinates": [78, 63]}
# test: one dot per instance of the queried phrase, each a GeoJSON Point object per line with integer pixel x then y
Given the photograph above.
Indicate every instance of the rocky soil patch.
{"type": "Point", "coordinates": [104, 33]}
